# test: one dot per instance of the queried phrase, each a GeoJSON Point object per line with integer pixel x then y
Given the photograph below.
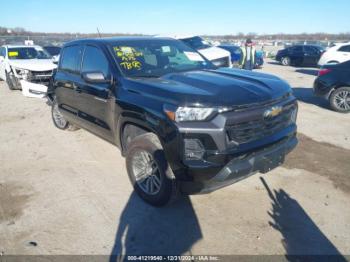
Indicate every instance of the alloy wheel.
{"type": "Point", "coordinates": [342, 100]}
{"type": "Point", "coordinates": [58, 117]}
{"type": "Point", "coordinates": [285, 61]}
{"type": "Point", "coordinates": [146, 172]}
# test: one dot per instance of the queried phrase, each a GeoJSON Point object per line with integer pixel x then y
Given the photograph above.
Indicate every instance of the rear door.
{"type": "Point", "coordinates": [95, 100]}
{"type": "Point", "coordinates": [296, 54]}
{"type": "Point", "coordinates": [311, 56]}
{"type": "Point", "coordinates": [66, 79]}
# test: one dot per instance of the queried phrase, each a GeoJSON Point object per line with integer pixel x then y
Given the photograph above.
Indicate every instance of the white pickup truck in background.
{"type": "Point", "coordinates": [218, 56]}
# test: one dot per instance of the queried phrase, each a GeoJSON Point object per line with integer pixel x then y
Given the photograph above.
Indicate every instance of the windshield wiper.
{"type": "Point", "coordinates": [147, 76]}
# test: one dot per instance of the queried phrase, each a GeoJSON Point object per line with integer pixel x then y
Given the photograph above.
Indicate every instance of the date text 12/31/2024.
{"type": "Point", "coordinates": [173, 258]}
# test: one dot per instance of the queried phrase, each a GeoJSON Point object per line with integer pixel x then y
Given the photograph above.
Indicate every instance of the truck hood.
{"type": "Point", "coordinates": [213, 52]}
{"type": "Point", "coordinates": [33, 64]}
{"type": "Point", "coordinates": [220, 87]}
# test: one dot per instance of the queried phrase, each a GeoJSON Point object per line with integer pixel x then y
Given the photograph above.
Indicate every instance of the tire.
{"type": "Point", "coordinates": [340, 100]}
{"type": "Point", "coordinates": [285, 61]}
{"type": "Point", "coordinates": [145, 157]}
{"type": "Point", "coordinates": [58, 119]}
{"type": "Point", "coordinates": [9, 82]}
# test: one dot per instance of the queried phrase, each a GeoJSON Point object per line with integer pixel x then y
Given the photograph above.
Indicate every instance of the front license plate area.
{"type": "Point", "coordinates": [272, 161]}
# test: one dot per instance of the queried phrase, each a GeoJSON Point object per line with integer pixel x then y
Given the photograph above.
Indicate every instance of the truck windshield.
{"type": "Point", "coordinates": [155, 58]}
{"type": "Point", "coordinates": [196, 42]}
{"type": "Point", "coordinates": [27, 53]}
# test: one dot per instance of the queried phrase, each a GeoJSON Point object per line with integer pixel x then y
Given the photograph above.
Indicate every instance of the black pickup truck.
{"type": "Point", "coordinates": [184, 125]}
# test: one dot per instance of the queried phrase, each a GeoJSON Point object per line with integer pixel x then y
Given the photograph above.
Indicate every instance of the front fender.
{"type": "Point", "coordinates": [165, 130]}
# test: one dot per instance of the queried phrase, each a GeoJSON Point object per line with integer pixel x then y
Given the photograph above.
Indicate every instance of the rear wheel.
{"type": "Point", "coordinates": [58, 119]}
{"type": "Point", "coordinates": [285, 61]}
{"type": "Point", "coordinates": [149, 172]}
{"type": "Point", "coordinates": [340, 100]}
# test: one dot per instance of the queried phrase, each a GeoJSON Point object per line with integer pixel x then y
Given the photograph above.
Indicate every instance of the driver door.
{"type": "Point", "coordinates": [95, 100]}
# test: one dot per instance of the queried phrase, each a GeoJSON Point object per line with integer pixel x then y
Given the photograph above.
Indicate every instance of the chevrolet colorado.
{"type": "Point", "coordinates": [183, 124]}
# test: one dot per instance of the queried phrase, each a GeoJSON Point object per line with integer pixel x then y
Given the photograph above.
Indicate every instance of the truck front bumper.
{"type": "Point", "coordinates": [238, 169]}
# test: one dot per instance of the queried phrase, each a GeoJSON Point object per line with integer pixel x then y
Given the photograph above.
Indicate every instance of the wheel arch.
{"type": "Point", "coordinates": [130, 129]}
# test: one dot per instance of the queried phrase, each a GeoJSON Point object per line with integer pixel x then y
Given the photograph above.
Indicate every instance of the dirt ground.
{"type": "Point", "coordinates": [68, 192]}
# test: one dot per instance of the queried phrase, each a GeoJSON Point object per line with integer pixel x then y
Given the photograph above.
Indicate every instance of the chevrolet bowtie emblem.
{"type": "Point", "coordinates": [272, 112]}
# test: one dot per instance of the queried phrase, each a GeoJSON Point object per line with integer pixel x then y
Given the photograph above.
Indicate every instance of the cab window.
{"type": "Point", "coordinates": [345, 48]}
{"type": "Point", "coordinates": [94, 60]}
{"type": "Point", "coordinates": [296, 49]}
{"type": "Point", "coordinates": [310, 50]}
{"type": "Point", "coordinates": [70, 61]}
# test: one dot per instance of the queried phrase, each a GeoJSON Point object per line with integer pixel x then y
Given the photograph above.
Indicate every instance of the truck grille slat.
{"type": "Point", "coordinates": [253, 130]}
{"type": "Point", "coordinates": [40, 77]}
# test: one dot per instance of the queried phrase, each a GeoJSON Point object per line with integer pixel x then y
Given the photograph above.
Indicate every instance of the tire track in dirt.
{"type": "Point", "coordinates": [323, 159]}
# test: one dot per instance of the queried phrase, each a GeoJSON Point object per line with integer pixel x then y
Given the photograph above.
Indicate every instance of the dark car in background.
{"type": "Point", "coordinates": [300, 55]}
{"type": "Point", "coordinates": [333, 83]}
{"type": "Point", "coordinates": [52, 50]}
{"type": "Point", "coordinates": [236, 54]}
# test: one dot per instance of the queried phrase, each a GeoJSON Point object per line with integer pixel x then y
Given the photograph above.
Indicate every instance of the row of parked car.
{"type": "Point", "coordinates": [333, 81]}
{"type": "Point", "coordinates": [313, 55]}
{"type": "Point", "coordinates": [225, 55]}
{"type": "Point", "coordinates": [30, 68]}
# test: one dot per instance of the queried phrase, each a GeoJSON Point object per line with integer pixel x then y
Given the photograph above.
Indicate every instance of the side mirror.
{"type": "Point", "coordinates": [95, 77]}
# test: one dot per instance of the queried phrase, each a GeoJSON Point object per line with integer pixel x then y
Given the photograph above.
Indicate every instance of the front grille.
{"type": "Point", "coordinates": [40, 77]}
{"type": "Point", "coordinates": [222, 62]}
{"type": "Point", "coordinates": [256, 129]}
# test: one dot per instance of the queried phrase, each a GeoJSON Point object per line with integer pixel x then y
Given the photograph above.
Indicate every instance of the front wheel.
{"type": "Point", "coordinates": [340, 100]}
{"type": "Point", "coordinates": [9, 81]}
{"type": "Point", "coordinates": [149, 171]}
{"type": "Point", "coordinates": [58, 119]}
{"type": "Point", "coordinates": [285, 61]}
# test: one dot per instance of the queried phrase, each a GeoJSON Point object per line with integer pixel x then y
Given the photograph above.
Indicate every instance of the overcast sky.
{"type": "Point", "coordinates": [178, 16]}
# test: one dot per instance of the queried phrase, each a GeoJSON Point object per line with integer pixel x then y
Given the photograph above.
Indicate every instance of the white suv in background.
{"type": "Point", "coordinates": [336, 54]}
{"type": "Point", "coordinates": [27, 68]}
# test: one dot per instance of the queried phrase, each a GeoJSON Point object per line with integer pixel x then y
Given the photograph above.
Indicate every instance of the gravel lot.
{"type": "Point", "coordinates": [68, 192]}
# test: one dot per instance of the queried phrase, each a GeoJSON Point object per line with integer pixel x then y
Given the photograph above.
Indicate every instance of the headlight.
{"type": "Point", "coordinates": [184, 113]}
{"type": "Point", "coordinates": [22, 72]}
{"type": "Point", "coordinates": [192, 113]}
